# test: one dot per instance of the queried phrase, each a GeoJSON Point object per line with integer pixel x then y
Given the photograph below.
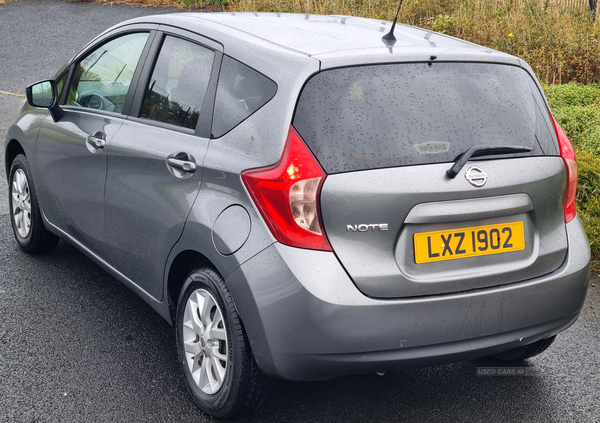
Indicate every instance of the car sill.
{"type": "Point", "coordinates": [152, 302]}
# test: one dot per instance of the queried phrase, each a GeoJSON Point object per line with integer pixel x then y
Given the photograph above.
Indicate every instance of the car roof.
{"type": "Point", "coordinates": [317, 34]}
{"type": "Point", "coordinates": [333, 40]}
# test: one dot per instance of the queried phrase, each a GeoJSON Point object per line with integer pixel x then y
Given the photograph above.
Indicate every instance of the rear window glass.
{"type": "Point", "coordinates": [241, 91]}
{"type": "Point", "coordinates": [380, 116]}
{"type": "Point", "coordinates": [178, 84]}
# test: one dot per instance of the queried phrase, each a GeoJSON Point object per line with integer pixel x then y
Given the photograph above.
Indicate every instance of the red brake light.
{"type": "Point", "coordinates": [287, 195]}
{"type": "Point", "coordinates": [568, 154]}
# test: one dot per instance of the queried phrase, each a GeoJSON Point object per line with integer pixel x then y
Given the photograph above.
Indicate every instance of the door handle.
{"type": "Point", "coordinates": [185, 165]}
{"type": "Point", "coordinates": [181, 165]}
{"type": "Point", "coordinates": [96, 141]}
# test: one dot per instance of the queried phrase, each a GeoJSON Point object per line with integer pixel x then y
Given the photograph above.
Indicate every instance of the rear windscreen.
{"type": "Point", "coordinates": [380, 116]}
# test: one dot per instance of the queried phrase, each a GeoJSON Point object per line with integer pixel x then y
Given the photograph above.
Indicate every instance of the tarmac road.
{"type": "Point", "coordinates": [77, 346]}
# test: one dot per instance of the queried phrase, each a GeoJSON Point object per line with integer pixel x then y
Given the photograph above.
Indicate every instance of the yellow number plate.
{"type": "Point", "coordinates": [468, 242]}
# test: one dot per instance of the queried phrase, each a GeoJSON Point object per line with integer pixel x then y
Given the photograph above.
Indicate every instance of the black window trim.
{"type": "Point", "coordinates": [62, 96]}
{"type": "Point", "coordinates": [204, 124]}
{"type": "Point", "coordinates": [99, 42]}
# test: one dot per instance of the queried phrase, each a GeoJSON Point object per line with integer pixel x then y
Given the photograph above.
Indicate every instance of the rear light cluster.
{"type": "Point", "coordinates": [287, 195]}
{"type": "Point", "coordinates": [568, 154]}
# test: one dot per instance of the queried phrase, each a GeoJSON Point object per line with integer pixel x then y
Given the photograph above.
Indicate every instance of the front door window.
{"type": "Point", "coordinates": [103, 77]}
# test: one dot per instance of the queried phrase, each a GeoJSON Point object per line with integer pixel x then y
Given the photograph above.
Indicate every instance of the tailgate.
{"type": "Point", "coordinates": [401, 226]}
{"type": "Point", "coordinates": [395, 241]}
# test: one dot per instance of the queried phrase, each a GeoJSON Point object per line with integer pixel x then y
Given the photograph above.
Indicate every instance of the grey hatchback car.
{"type": "Point", "coordinates": [303, 199]}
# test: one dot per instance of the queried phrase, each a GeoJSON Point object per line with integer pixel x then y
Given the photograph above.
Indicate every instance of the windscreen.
{"type": "Point", "coordinates": [379, 116]}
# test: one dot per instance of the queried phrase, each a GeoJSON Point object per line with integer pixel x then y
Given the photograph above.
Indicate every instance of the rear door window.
{"type": "Point", "coordinates": [241, 91]}
{"type": "Point", "coordinates": [381, 116]}
{"type": "Point", "coordinates": [178, 84]}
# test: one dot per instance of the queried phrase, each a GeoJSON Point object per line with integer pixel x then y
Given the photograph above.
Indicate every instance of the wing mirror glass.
{"type": "Point", "coordinates": [44, 94]}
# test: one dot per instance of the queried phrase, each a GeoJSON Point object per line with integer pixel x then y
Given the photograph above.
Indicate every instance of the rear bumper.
{"type": "Point", "coordinates": [306, 320]}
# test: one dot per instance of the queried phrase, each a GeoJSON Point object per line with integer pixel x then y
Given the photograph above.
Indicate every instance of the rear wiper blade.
{"type": "Point", "coordinates": [483, 150]}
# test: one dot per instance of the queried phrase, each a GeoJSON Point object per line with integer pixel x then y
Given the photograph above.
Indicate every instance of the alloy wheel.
{"type": "Point", "coordinates": [21, 203]}
{"type": "Point", "coordinates": [205, 341]}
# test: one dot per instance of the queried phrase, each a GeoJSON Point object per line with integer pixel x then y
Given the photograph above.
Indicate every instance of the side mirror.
{"type": "Point", "coordinates": [44, 94]}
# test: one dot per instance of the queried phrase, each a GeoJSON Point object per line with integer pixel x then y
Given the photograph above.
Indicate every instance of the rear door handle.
{"type": "Point", "coordinates": [96, 141]}
{"type": "Point", "coordinates": [181, 165]}
{"type": "Point", "coordinates": [185, 165]}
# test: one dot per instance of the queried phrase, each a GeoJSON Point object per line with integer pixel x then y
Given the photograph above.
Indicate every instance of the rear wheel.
{"type": "Point", "coordinates": [526, 351]}
{"type": "Point", "coordinates": [25, 215]}
{"type": "Point", "coordinates": [217, 363]}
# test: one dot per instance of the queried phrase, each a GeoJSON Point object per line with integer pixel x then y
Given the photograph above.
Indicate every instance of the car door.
{"type": "Point", "coordinates": [155, 161]}
{"type": "Point", "coordinates": [71, 153]}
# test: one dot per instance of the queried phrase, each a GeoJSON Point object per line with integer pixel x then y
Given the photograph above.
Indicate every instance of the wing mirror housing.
{"type": "Point", "coordinates": [44, 94]}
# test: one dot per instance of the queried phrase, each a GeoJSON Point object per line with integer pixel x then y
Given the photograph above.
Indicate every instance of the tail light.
{"type": "Point", "coordinates": [568, 154]}
{"type": "Point", "coordinates": [287, 195]}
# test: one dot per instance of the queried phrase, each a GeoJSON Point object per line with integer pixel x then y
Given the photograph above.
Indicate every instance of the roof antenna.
{"type": "Point", "coordinates": [389, 38]}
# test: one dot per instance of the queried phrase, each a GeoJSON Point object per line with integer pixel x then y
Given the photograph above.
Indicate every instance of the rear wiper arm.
{"type": "Point", "coordinates": [482, 150]}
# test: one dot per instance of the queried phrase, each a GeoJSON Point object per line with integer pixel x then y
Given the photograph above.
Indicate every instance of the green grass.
{"type": "Point", "coordinates": [577, 108]}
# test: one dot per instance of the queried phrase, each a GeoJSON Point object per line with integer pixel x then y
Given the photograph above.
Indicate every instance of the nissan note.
{"type": "Point", "coordinates": [303, 199]}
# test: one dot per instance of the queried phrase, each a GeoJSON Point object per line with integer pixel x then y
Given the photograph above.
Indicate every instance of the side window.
{"type": "Point", "coordinates": [102, 79]}
{"type": "Point", "coordinates": [241, 91]}
{"type": "Point", "coordinates": [178, 84]}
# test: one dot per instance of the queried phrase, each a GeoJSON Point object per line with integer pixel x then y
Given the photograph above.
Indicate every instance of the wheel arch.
{"type": "Point", "coordinates": [180, 267]}
{"type": "Point", "coordinates": [13, 149]}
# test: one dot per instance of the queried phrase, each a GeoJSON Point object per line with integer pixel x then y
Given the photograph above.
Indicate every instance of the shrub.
{"type": "Point", "coordinates": [588, 199]}
{"type": "Point", "coordinates": [581, 125]}
{"type": "Point", "coordinates": [573, 94]}
{"type": "Point", "coordinates": [577, 108]}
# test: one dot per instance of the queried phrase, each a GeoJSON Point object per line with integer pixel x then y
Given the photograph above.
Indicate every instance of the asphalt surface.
{"type": "Point", "coordinates": [77, 346]}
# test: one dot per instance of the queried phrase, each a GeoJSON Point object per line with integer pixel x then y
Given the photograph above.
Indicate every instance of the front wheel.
{"type": "Point", "coordinates": [217, 363]}
{"type": "Point", "coordinates": [25, 214]}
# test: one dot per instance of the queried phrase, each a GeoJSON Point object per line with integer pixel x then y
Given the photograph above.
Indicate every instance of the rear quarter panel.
{"type": "Point", "coordinates": [256, 142]}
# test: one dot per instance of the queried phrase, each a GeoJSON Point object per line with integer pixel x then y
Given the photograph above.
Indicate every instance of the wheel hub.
{"type": "Point", "coordinates": [205, 341]}
{"type": "Point", "coordinates": [21, 203]}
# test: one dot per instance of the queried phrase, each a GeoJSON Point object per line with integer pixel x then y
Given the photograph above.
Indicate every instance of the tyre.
{"type": "Point", "coordinates": [217, 363]}
{"type": "Point", "coordinates": [25, 215]}
{"type": "Point", "coordinates": [526, 351]}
